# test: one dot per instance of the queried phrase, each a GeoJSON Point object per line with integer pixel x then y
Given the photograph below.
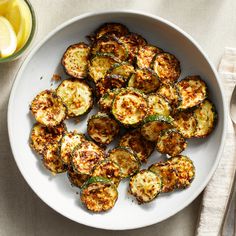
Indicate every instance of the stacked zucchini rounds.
{"type": "Point", "coordinates": [139, 94]}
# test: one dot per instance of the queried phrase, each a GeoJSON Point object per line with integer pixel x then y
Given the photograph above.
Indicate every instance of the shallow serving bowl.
{"type": "Point", "coordinates": [35, 75]}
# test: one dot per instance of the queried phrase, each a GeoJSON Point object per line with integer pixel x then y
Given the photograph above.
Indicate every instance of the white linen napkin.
{"type": "Point", "coordinates": [216, 194]}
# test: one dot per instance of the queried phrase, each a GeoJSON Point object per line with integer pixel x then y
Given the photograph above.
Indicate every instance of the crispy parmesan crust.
{"type": "Point", "coordinates": [110, 44]}
{"type": "Point", "coordinates": [185, 123]}
{"type": "Point", "coordinates": [145, 186]}
{"type": "Point", "coordinates": [123, 69]}
{"type": "Point", "coordinates": [108, 169]}
{"type": "Point", "coordinates": [77, 96]}
{"type": "Point", "coordinates": [206, 117]}
{"type": "Point", "coordinates": [171, 142]}
{"type": "Point", "coordinates": [109, 82]}
{"type": "Point", "coordinates": [129, 107]}
{"type": "Point", "coordinates": [99, 194]}
{"type": "Point", "coordinates": [100, 64]}
{"type": "Point", "coordinates": [85, 156]}
{"type": "Point", "coordinates": [48, 109]}
{"type": "Point", "coordinates": [52, 160]}
{"type": "Point", "coordinates": [138, 144]}
{"type": "Point", "coordinates": [75, 60]}
{"type": "Point", "coordinates": [167, 67]}
{"type": "Point", "coordinates": [145, 55]}
{"type": "Point", "coordinates": [126, 159]}
{"type": "Point", "coordinates": [153, 125]}
{"type": "Point", "coordinates": [192, 90]}
{"type": "Point", "coordinates": [111, 28]}
{"type": "Point", "coordinates": [105, 102]}
{"type": "Point", "coordinates": [158, 105]}
{"type": "Point", "coordinates": [145, 80]}
{"type": "Point", "coordinates": [132, 42]}
{"type": "Point", "coordinates": [168, 175]}
{"type": "Point", "coordinates": [67, 144]}
{"type": "Point", "coordinates": [76, 179]}
{"type": "Point", "coordinates": [170, 93]}
{"type": "Point", "coordinates": [41, 136]}
{"type": "Point", "coordinates": [184, 169]}
{"type": "Point", "coordinates": [102, 129]}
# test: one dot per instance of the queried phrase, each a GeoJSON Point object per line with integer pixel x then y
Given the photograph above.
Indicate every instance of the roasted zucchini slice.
{"type": "Point", "coordinates": [77, 96]}
{"type": "Point", "coordinates": [185, 123]}
{"type": "Point", "coordinates": [206, 117]}
{"type": "Point", "coordinates": [108, 169]}
{"type": "Point", "coordinates": [100, 64]}
{"type": "Point", "coordinates": [109, 82]}
{"type": "Point", "coordinates": [168, 175]}
{"type": "Point", "coordinates": [192, 90]}
{"type": "Point", "coordinates": [167, 67]}
{"type": "Point", "coordinates": [68, 142]}
{"type": "Point", "coordinates": [145, 80]}
{"type": "Point", "coordinates": [145, 55]}
{"type": "Point", "coordinates": [48, 109]}
{"type": "Point", "coordinates": [158, 105]}
{"type": "Point", "coordinates": [110, 44]}
{"type": "Point", "coordinates": [102, 128]}
{"type": "Point", "coordinates": [129, 107]}
{"type": "Point", "coordinates": [145, 186]}
{"type": "Point", "coordinates": [98, 194]}
{"type": "Point", "coordinates": [41, 136]}
{"type": "Point", "coordinates": [52, 160]}
{"type": "Point", "coordinates": [153, 125]}
{"type": "Point", "coordinates": [111, 28]}
{"type": "Point", "coordinates": [105, 102]}
{"type": "Point", "coordinates": [133, 41]}
{"type": "Point", "coordinates": [75, 60]}
{"type": "Point", "coordinates": [134, 140]}
{"type": "Point", "coordinates": [170, 93]}
{"type": "Point", "coordinates": [171, 142]}
{"type": "Point", "coordinates": [184, 169]}
{"type": "Point", "coordinates": [126, 159]}
{"type": "Point", "coordinates": [123, 69]}
{"type": "Point", "coordinates": [85, 156]}
{"type": "Point", "coordinates": [76, 179]}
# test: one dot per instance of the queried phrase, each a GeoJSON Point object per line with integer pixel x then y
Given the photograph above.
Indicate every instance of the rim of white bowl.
{"type": "Point", "coordinates": [87, 15]}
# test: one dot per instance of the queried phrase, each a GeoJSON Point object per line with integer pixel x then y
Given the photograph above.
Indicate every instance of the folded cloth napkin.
{"type": "Point", "coordinates": [216, 194]}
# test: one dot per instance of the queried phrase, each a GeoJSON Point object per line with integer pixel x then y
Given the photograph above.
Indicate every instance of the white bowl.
{"type": "Point", "coordinates": [44, 61]}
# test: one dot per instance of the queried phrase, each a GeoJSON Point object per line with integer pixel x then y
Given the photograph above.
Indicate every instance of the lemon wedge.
{"type": "Point", "coordinates": [4, 6]}
{"type": "Point", "coordinates": [19, 16]}
{"type": "Point", "coordinates": [8, 40]}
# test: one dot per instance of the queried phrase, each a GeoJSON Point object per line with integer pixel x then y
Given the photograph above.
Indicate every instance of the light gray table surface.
{"type": "Point", "coordinates": [212, 23]}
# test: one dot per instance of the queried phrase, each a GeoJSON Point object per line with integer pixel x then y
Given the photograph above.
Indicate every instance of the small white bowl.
{"type": "Point", "coordinates": [35, 75]}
